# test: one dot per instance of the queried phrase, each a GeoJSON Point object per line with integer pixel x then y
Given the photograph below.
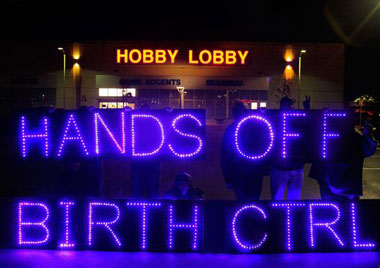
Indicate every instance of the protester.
{"type": "Point", "coordinates": [287, 173]}
{"type": "Point", "coordinates": [344, 180]}
{"type": "Point", "coordinates": [244, 176]}
{"type": "Point", "coordinates": [183, 189]}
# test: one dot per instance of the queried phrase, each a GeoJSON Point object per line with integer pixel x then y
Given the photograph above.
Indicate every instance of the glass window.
{"type": "Point", "coordinates": [254, 94]}
{"type": "Point", "coordinates": [189, 94]}
{"type": "Point", "coordinates": [103, 92]}
{"type": "Point", "coordinates": [174, 104]}
{"type": "Point", "coordinates": [199, 94]}
{"type": "Point", "coordinates": [220, 94]}
{"type": "Point", "coordinates": [245, 94]}
{"type": "Point", "coordinates": [254, 105]}
{"type": "Point", "coordinates": [112, 92]}
{"type": "Point", "coordinates": [103, 105]}
{"type": "Point", "coordinates": [263, 104]}
{"type": "Point", "coordinates": [263, 95]}
{"type": "Point", "coordinates": [189, 104]}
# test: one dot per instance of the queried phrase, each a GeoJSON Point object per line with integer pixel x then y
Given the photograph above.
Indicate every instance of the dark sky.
{"type": "Point", "coordinates": [184, 20]}
{"type": "Point", "coordinates": [283, 21]}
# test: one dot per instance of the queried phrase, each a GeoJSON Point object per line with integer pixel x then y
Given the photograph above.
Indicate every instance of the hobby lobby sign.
{"type": "Point", "coordinates": [169, 56]}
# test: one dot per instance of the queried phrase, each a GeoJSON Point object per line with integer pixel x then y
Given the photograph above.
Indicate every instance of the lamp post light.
{"type": "Point", "coordinates": [64, 75]}
{"type": "Point", "coordinates": [181, 91]}
{"type": "Point", "coordinates": [302, 51]}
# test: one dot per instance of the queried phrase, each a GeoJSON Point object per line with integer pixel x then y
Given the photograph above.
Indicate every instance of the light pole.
{"type": "Point", "coordinates": [64, 75]}
{"type": "Point", "coordinates": [181, 91]}
{"type": "Point", "coordinates": [302, 51]}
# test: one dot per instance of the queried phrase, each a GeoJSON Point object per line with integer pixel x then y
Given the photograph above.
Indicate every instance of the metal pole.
{"type": "Point", "coordinates": [227, 103]}
{"type": "Point", "coordinates": [64, 80]}
{"type": "Point", "coordinates": [182, 99]}
{"type": "Point", "coordinates": [299, 80]}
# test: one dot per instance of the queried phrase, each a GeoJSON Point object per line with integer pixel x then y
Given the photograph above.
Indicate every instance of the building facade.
{"type": "Point", "coordinates": [194, 75]}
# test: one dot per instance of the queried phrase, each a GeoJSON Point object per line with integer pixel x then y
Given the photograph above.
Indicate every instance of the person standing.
{"type": "Point", "coordinates": [344, 180]}
{"type": "Point", "coordinates": [287, 173]}
{"type": "Point", "coordinates": [244, 176]}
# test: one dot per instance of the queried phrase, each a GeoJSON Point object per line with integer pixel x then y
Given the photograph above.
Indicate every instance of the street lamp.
{"type": "Point", "coordinates": [181, 91]}
{"type": "Point", "coordinates": [64, 74]}
{"type": "Point", "coordinates": [302, 51]}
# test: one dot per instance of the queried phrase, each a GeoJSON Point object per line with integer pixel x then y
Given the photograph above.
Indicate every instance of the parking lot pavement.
{"type": "Point", "coordinates": [371, 177]}
{"type": "Point", "coordinates": [18, 258]}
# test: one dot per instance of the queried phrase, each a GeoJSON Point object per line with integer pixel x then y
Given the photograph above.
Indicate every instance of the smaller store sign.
{"type": "Point", "coordinates": [169, 56]}
{"type": "Point", "coordinates": [190, 226]}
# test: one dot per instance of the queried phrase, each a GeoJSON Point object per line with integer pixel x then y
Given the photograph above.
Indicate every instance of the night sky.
{"type": "Point", "coordinates": [282, 21]}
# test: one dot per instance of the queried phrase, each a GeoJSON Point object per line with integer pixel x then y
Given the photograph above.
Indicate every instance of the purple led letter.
{"type": "Point", "coordinates": [151, 117]}
{"type": "Point", "coordinates": [285, 134]}
{"type": "Point", "coordinates": [288, 220]}
{"type": "Point", "coordinates": [200, 143]}
{"type": "Point", "coordinates": [192, 226]}
{"type": "Point", "coordinates": [44, 135]}
{"type": "Point", "coordinates": [144, 217]}
{"type": "Point", "coordinates": [67, 206]}
{"type": "Point", "coordinates": [328, 135]}
{"type": "Point", "coordinates": [326, 225]}
{"type": "Point", "coordinates": [78, 137]}
{"type": "Point", "coordinates": [121, 146]}
{"type": "Point", "coordinates": [239, 242]}
{"type": "Point", "coordinates": [106, 224]}
{"type": "Point", "coordinates": [271, 135]}
{"type": "Point", "coordinates": [40, 224]}
{"type": "Point", "coordinates": [355, 232]}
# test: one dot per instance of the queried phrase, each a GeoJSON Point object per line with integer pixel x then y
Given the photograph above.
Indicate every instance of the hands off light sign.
{"type": "Point", "coordinates": [286, 135]}
{"type": "Point", "coordinates": [135, 134]}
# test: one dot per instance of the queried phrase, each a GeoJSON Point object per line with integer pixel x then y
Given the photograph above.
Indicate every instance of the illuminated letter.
{"type": "Point", "coordinates": [355, 232]}
{"type": "Point", "coordinates": [191, 61]}
{"type": "Point", "coordinates": [285, 134]}
{"type": "Point", "coordinates": [67, 206]}
{"type": "Point", "coordinates": [71, 121]}
{"type": "Point", "coordinates": [148, 56]}
{"type": "Point", "coordinates": [36, 136]}
{"type": "Point", "coordinates": [146, 116]}
{"type": "Point", "coordinates": [120, 147]}
{"type": "Point", "coordinates": [288, 220]}
{"type": "Point", "coordinates": [243, 56]}
{"type": "Point", "coordinates": [329, 135]}
{"type": "Point", "coordinates": [235, 233]}
{"type": "Point", "coordinates": [136, 51]}
{"type": "Point", "coordinates": [230, 57]}
{"type": "Point", "coordinates": [106, 224]}
{"type": "Point", "coordinates": [192, 226]}
{"type": "Point", "coordinates": [119, 55]}
{"type": "Point", "coordinates": [41, 224]}
{"type": "Point", "coordinates": [144, 217]}
{"type": "Point", "coordinates": [199, 148]}
{"type": "Point", "coordinates": [208, 55]}
{"type": "Point", "coordinates": [326, 225]}
{"type": "Point", "coordinates": [172, 55]}
{"type": "Point", "coordinates": [160, 56]}
{"type": "Point", "coordinates": [258, 118]}
{"type": "Point", "coordinates": [218, 57]}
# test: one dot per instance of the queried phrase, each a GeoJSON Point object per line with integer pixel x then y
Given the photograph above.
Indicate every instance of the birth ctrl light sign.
{"type": "Point", "coordinates": [190, 226]}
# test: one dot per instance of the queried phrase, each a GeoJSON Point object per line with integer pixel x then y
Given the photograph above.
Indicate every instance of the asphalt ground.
{"type": "Point", "coordinates": [21, 258]}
